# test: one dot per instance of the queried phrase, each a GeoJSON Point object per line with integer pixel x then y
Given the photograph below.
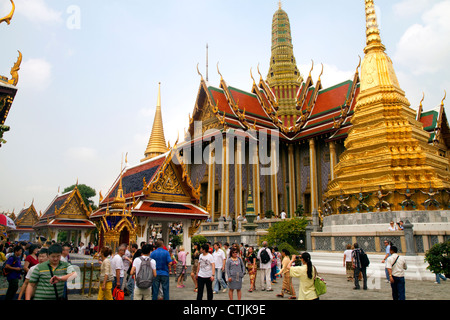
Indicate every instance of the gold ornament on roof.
{"type": "Point", "coordinates": [8, 18]}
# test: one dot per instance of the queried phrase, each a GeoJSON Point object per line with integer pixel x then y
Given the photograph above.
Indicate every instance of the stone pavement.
{"type": "Point", "coordinates": [338, 288]}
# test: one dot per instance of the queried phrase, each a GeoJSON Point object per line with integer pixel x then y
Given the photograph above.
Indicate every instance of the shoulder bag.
{"type": "Point", "coordinates": [319, 284]}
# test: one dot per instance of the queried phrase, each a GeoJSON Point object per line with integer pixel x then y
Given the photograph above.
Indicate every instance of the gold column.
{"type": "Point", "coordinates": [225, 201]}
{"type": "Point", "coordinates": [211, 182]}
{"type": "Point", "coordinates": [313, 174]}
{"type": "Point", "coordinates": [333, 159]}
{"type": "Point", "coordinates": [238, 179]}
{"type": "Point", "coordinates": [291, 173]}
{"type": "Point", "coordinates": [273, 176]}
{"type": "Point", "coordinates": [256, 184]}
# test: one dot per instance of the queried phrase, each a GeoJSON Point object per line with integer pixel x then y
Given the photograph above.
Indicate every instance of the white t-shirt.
{"type": "Point", "coordinates": [219, 257]}
{"type": "Point", "coordinates": [398, 270]}
{"type": "Point", "coordinates": [30, 272]}
{"type": "Point", "coordinates": [205, 265]}
{"type": "Point", "coordinates": [117, 263]}
{"type": "Point", "coordinates": [283, 215]}
{"type": "Point", "coordinates": [348, 255]}
{"type": "Point", "coordinates": [267, 265]}
{"type": "Point", "coordinates": [137, 263]}
{"type": "Point", "coordinates": [394, 228]}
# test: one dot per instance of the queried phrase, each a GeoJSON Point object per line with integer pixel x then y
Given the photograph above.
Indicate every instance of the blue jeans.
{"type": "Point", "coordinates": [130, 287]}
{"type": "Point", "coordinates": [160, 281]}
{"type": "Point", "coordinates": [439, 277]}
{"type": "Point", "coordinates": [398, 288]}
{"type": "Point", "coordinates": [218, 278]}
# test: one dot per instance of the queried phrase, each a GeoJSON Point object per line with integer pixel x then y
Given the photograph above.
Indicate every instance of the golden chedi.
{"type": "Point", "coordinates": [387, 148]}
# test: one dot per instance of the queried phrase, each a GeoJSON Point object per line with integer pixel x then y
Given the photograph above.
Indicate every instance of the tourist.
{"type": "Point", "coordinates": [194, 270]}
{"type": "Point", "coordinates": [32, 258]}
{"type": "Point", "coordinates": [358, 267]}
{"type": "Point", "coordinates": [162, 258]}
{"type": "Point", "coordinates": [396, 266]}
{"type": "Point", "coordinates": [283, 214]}
{"type": "Point", "coordinates": [287, 280]}
{"type": "Point", "coordinates": [387, 245]}
{"type": "Point", "coordinates": [235, 270]}
{"type": "Point", "coordinates": [136, 252]}
{"type": "Point", "coordinates": [181, 267]}
{"type": "Point", "coordinates": [65, 253]}
{"type": "Point", "coordinates": [106, 275]}
{"type": "Point", "coordinates": [307, 274]}
{"type": "Point", "coordinates": [173, 264]}
{"type": "Point", "coordinates": [348, 262]}
{"type": "Point", "coordinates": [219, 263]}
{"type": "Point", "coordinates": [117, 267]}
{"type": "Point", "coordinates": [392, 226]}
{"type": "Point", "coordinates": [206, 272]}
{"type": "Point", "coordinates": [400, 225]}
{"type": "Point", "coordinates": [273, 266]}
{"type": "Point", "coordinates": [265, 266]}
{"type": "Point", "coordinates": [143, 293]}
{"type": "Point", "coordinates": [252, 267]}
{"type": "Point", "coordinates": [439, 277]}
{"type": "Point", "coordinates": [42, 257]}
{"type": "Point", "coordinates": [13, 267]}
{"type": "Point", "coordinates": [48, 279]}
{"type": "Point", "coordinates": [127, 261]}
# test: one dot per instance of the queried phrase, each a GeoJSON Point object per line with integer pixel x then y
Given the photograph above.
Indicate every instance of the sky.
{"type": "Point", "coordinates": [89, 78]}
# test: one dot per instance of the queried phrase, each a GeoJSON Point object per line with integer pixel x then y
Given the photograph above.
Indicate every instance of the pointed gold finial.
{"type": "Point", "coordinates": [280, 5]}
{"type": "Point", "coordinates": [221, 78]}
{"type": "Point", "coordinates": [8, 18]}
{"type": "Point", "coordinates": [373, 38]}
{"type": "Point", "coordinates": [157, 142]}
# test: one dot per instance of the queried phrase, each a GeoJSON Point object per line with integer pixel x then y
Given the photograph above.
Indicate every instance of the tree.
{"type": "Point", "coordinates": [438, 258]}
{"type": "Point", "coordinates": [290, 231]}
{"type": "Point", "coordinates": [86, 193]}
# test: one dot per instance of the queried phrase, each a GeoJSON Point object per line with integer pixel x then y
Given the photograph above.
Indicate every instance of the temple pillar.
{"type": "Point", "coordinates": [256, 183]}
{"type": "Point", "coordinates": [273, 176]}
{"type": "Point", "coordinates": [238, 179]}
{"type": "Point", "coordinates": [333, 159]}
{"type": "Point", "coordinates": [313, 175]}
{"type": "Point", "coordinates": [291, 174]}
{"type": "Point", "coordinates": [225, 201]}
{"type": "Point", "coordinates": [211, 183]}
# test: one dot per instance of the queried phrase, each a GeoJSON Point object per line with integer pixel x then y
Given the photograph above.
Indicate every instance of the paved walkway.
{"type": "Point", "coordinates": [337, 285]}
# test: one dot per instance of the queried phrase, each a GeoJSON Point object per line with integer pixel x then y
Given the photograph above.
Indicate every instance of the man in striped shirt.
{"type": "Point", "coordinates": [45, 286]}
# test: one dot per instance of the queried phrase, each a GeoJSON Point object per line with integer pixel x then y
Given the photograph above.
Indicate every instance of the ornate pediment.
{"type": "Point", "coordinates": [169, 183]}
{"type": "Point", "coordinates": [73, 208]}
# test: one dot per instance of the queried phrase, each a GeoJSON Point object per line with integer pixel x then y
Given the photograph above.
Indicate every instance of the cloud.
{"type": "Point", "coordinates": [408, 8]}
{"type": "Point", "coordinates": [331, 76]}
{"type": "Point", "coordinates": [424, 47]}
{"type": "Point", "coordinates": [35, 74]}
{"type": "Point", "coordinates": [38, 11]}
{"type": "Point", "coordinates": [81, 154]}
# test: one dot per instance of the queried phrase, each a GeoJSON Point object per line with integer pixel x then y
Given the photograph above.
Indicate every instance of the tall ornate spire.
{"type": "Point", "coordinates": [283, 76]}
{"type": "Point", "coordinates": [373, 38]}
{"type": "Point", "coordinates": [157, 143]}
{"type": "Point", "coordinates": [386, 145]}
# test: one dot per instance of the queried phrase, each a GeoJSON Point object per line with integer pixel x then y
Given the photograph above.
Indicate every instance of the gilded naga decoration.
{"type": "Point", "coordinates": [8, 18]}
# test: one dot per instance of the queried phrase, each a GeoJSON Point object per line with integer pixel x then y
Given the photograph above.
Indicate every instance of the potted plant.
{"type": "Point", "coordinates": [438, 258]}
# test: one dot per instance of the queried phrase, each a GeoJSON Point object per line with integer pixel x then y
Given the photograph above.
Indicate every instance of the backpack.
{"type": "Point", "coordinates": [144, 278]}
{"type": "Point", "coordinates": [265, 258]}
{"type": "Point", "coordinates": [364, 259]}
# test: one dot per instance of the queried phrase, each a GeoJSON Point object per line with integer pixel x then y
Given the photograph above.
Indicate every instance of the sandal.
{"type": "Point", "coordinates": [292, 298]}
{"type": "Point", "coordinates": [280, 295]}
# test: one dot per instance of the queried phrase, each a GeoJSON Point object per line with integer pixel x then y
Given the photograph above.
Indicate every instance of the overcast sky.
{"type": "Point", "coordinates": [89, 77]}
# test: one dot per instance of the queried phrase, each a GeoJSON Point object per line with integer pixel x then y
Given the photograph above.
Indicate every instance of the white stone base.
{"type": "Point", "coordinates": [333, 263]}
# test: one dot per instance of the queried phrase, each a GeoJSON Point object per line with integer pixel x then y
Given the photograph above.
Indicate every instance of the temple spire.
{"type": "Point", "coordinates": [157, 142]}
{"type": "Point", "coordinates": [373, 38]}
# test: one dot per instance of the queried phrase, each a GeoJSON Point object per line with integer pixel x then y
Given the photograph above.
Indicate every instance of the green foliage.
{"type": "Point", "coordinates": [176, 240]}
{"type": "Point", "coordinates": [290, 231]}
{"type": "Point", "coordinates": [438, 258]}
{"type": "Point", "coordinates": [288, 247]}
{"type": "Point", "coordinates": [269, 214]}
{"type": "Point", "coordinates": [299, 211]}
{"type": "Point", "coordinates": [199, 239]}
{"type": "Point", "coordinates": [86, 193]}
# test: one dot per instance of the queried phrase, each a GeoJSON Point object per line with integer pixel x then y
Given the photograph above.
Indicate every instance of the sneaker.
{"type": "Point", "coordinates": [224, 290]}
{"type": "Point", "coordinates": [214, 292]}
